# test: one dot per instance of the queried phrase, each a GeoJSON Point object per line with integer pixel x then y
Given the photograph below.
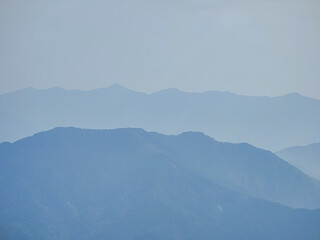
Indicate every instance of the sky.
{"type": "Point", "coordinates": [250, 47]}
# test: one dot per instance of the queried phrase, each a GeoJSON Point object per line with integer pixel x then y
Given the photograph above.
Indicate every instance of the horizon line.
{"type": "Point", "coordinates": [120, 86]}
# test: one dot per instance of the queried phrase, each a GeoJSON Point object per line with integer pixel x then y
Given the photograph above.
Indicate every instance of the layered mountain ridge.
{"type": "Point", "coordinates": [71, 183]}
{"type": "Point", "coordinates": [306, 158]}
{"type": "Point", "coordinates": [222, 115]}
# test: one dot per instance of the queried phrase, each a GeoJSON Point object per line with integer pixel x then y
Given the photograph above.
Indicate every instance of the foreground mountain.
{"type": "Point", "coordinates": [129, 184]}
{"type": "Point", "coordinates": [270, 123]}
{"type": "Point", "coordinates": [306, 158]}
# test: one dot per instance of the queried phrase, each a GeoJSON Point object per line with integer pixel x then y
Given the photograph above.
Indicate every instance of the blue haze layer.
{"type": "Point", "coordinates": [270, 123]}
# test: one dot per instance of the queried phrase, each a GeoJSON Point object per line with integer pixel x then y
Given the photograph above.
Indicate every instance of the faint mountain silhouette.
{"type": "Point", "coordinates": [271, 123]}
{"type": "Point", "coordinates": [306, 158]}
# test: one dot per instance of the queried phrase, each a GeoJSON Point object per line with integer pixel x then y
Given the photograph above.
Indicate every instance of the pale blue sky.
{"type": "Point", "coordinates": [248, 47]}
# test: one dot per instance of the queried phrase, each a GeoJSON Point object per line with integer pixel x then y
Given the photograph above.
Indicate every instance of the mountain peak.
{"type": "Point", "coordinates": [172, 187]}
{"type": "Point", "coordinates": [117, 86]}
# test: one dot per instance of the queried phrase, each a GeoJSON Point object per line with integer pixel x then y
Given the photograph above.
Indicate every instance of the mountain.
{"type": "Point", "coordinates": [69, 183]}
{"type": "Point", "coordinates": [306, 158]}
{"type": "Point", "coordinates": [267, 122]}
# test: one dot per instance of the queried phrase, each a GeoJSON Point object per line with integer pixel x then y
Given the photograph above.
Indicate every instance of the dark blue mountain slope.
{"type": "Point", "coordinates": [70, 183]}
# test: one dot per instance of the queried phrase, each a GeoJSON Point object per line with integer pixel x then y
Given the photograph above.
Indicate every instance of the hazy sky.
{"type": "Point", "coordinates": [249, 47]}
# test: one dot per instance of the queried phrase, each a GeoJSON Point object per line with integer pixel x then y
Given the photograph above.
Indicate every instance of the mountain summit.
{"type": "Point", "coordinates": [222, 115]}
{"type": "Point", "coordinates": [69, 183]}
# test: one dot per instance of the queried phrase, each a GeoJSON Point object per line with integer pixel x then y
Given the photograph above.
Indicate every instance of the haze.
{"type": "Point", "coordinates": [247, 47]}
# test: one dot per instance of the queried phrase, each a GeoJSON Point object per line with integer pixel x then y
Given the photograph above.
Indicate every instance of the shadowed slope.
{"type": "Point", "coordinates": [129, 184]}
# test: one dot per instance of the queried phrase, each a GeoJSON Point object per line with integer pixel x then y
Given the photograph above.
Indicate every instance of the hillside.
{"type": "Point", "coordinates": [222, 115]}
{"type": "Point", "coordinates": [306, 158]}
{"type": "Point", "coordinates": [70, 183]}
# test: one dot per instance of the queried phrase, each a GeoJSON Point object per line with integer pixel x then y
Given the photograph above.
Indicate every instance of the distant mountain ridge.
{"type": "Point", "coordinates": [306, 158]}
{"type": "Point", "coordinates": [240, 167]}
{"type": "Point", "coordinates": [117, 86]}
{"type": "Point", "coordinates": [271, 123]}
{"type": "Point", "coordinates": [70, 183]}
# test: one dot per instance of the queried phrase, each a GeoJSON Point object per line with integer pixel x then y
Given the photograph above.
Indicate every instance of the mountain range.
{"type": "Point", "coordinates": [70, 183]}
{"type": "Point", "coordinates": [271, 123]}
{"type": "Point", "coordinates": [306, 158]}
